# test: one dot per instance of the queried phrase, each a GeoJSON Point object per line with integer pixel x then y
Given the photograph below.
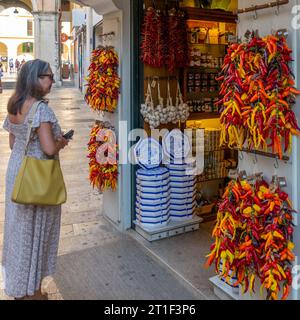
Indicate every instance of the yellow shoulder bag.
{"type": "Point", "coordinates": [39, 182]}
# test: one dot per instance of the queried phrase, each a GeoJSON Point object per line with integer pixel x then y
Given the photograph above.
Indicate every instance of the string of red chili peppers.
{"type": "Point", "coordinates": [164, 39]}
{"type": "Point", "coordinates": [103, 86]}
{"type": "Point", "coordinates": [253, 238]}
{"type": "Point", "coordinates": [103, 176]}
{"type": "Point", "coordinates": [258, 95]}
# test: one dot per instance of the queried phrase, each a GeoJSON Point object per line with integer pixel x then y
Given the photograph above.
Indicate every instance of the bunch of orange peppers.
{"type": "Point", "coordinates": [103, 86]}
{"type": "Point", "coordinates": [253, 238]}
{"type": "Point", "coordinates": [258, 95]}
{"type": "Point", "coordinates": [102, 176]}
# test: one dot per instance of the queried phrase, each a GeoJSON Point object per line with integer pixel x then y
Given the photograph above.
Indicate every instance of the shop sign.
{"type": "Point", "coordinates": [4, 59]}
{"type": "Point", "coordinates": [64, 37]}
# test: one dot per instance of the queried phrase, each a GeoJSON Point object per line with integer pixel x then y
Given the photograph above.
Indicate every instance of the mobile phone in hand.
{"type": "Point", "coordinates": [69, 135]}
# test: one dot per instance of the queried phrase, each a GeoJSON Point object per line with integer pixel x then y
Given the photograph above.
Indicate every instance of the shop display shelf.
{"type": "Point", "coordinates": [215, 15]}
{"type": "Point", "coordinates": [212, 179]}
{"type": "Point", "coordinates": [223, 290]}
{"type": "Point", "coordinates": [172, 229]}
{"type": "Point", "coordinates": [203, 115]}
{"type": "Point", "coordinates": [216, 150]}
{"type": "Point", "coordinates": [203, 69]}
{"type": "Point", "coordinates": [202, 95]}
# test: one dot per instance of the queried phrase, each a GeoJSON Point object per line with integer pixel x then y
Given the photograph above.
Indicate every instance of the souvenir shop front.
{"type": "Point", "coordinates": [221, 89]}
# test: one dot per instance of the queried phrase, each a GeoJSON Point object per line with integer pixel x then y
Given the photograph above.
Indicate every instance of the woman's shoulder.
{"type": "Point", "coordinates": [44, 114]}
{"type": "Point", "coordinates": [45, 107]}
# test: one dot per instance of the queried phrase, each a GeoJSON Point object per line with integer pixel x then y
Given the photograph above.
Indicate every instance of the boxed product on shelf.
{"type": "Point", "coordinates": [205, 60]}
{"type": "Point", "coordinates": [212, 139]}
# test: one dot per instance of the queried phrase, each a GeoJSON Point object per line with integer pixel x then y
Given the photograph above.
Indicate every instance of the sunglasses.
{"type": "Point", "coordinates": [51, 76]}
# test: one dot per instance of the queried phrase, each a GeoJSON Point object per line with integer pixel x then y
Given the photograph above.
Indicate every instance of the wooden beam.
{"type": "Point", "coordinates": [210, 15]}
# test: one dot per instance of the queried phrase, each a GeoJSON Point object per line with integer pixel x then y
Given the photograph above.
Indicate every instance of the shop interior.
{"type": "Point", "coordinates": [206, 37]}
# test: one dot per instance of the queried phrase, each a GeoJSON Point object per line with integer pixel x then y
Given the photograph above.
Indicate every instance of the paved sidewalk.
{"type": "Point", "coordinates": [95, 261]}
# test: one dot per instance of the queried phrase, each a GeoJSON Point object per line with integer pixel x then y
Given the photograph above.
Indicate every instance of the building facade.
{"type": "Point", "coordinates": [16, 36]}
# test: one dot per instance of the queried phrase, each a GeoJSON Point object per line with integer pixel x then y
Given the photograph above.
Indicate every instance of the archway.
{"type": "Point", "coordinates": [3, 56]}
{"type": "Point", "coordinates": [25, 51]}
{"type": "Point", "coordinates": [24, 4]}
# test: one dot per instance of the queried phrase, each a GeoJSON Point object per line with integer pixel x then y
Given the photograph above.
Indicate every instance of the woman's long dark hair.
{"type": "Point", "coordinates": [28, 85]}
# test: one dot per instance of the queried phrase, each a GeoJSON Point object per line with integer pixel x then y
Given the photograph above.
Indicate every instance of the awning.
{"type": "Point", "coordinates": [100, 6]}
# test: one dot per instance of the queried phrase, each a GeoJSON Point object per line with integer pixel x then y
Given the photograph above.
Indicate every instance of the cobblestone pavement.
{"type": "Point", "coordinates": [81, 218]}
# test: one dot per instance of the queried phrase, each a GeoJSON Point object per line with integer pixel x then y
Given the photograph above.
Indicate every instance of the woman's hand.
{"type": "Point", "coordinates": [62, 143]}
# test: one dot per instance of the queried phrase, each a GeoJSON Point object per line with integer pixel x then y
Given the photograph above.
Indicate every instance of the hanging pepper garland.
{"type": "Point", "coordinates": [258, 94]}
{"type": "Point", "coordinates": [153, 34]}
{"type": "Point", "coordinates": [177, 45]}
{"type": "Point", "coordinates": [103, 176]}
{"type": "Point", "coordinates": [253, 237]}
{"type": "Point", "coordinates": [164, 39]}
{"type": "Point", "coordinates": [103, 86]}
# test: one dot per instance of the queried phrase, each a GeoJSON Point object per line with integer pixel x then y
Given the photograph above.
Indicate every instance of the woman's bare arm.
{"type": "Point", "coordinates": [12, 139]}
{"type": "Point", "coordinates": [49, 145]}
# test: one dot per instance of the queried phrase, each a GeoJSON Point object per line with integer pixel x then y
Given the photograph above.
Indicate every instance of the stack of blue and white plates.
{"type": "Point", "coordinates": [183, 191]}
{"type": "Point", "coordinates": [153, 197]}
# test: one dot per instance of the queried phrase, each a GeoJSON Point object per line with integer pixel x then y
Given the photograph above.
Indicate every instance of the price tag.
{"type": "Point", "coordinates": [233, 174]}
{"type": "Point", "coordinates": [232, 38]}
{"type": "Point", "coordinates": [282, 182]}
{"type": "Point", "coordinates": [243, 175]}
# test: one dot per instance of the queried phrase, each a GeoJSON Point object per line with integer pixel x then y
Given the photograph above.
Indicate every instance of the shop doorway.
{"type": "Point", "coordinates": [185, 246]}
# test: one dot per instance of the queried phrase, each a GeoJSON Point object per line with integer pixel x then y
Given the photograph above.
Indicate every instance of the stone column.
{"type": "Point", "coordinates": [47, 40]}
{"type": "Point", "coordinates": [89, 39]}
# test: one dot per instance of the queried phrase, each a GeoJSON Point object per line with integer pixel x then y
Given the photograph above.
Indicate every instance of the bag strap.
{"type": "Point", "coordinates": [31, 115]}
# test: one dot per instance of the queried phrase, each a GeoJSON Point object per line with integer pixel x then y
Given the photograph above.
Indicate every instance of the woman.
{"type": "Point", "coordinates": [31, 233]}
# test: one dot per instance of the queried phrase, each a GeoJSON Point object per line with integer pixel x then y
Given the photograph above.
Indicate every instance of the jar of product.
{"type": "Point", "coordinates": [197, 76]}
{"type": "Point", "coordinates": [199, 106]}
{"type": "Point", "coordinates": [191, 83]}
